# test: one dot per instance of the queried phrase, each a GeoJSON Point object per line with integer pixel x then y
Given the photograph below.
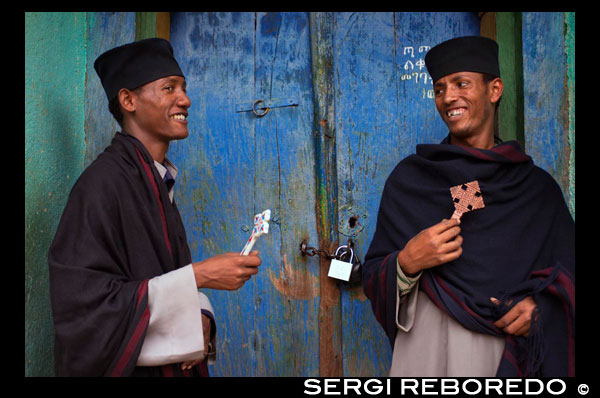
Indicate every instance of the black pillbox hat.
{"type": "Point", "coordinates": [135, 64]}
{"type": "Point", "coordinates": [463, 54]}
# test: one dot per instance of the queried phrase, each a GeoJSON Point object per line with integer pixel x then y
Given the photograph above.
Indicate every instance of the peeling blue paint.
{"type": "Point", "coordinates": [549, 83]}
{"type": "Point", "coordinates": [234, 165]}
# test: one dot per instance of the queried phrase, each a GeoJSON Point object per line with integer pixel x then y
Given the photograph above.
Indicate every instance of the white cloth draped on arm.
{"type": "Point", "coordinates": [175, 332]}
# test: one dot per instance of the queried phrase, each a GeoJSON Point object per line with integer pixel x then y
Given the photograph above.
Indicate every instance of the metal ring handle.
{"type": "Point", "coordinates": [257, 113]}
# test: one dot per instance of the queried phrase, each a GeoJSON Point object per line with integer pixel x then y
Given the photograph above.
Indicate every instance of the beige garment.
{"type": "Point", "coordinates": [175, 332]}
{"type": "Point", "coordinates": [430, 343]}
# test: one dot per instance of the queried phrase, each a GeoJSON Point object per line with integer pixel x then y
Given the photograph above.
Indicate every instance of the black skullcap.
{"type": "Point", "coordinates": [463, 54]}
{"type": "Point", "coordinates": [135, 64]}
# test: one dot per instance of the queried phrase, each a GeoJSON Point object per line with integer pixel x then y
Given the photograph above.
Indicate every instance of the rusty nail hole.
{"type": "Point", "coordinates": [352, 221]}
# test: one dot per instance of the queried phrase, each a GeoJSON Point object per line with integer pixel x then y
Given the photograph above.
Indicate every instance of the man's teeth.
{"type": "Point", "coordinates": [455, 112]}
{"type": "Point", "coordinates": [179, 116]}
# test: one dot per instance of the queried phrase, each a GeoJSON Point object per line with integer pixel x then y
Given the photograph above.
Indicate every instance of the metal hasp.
{"type": "Point", "coordinates": [323, 253]}
{"type": "Point", "coordinates": [355, 275]}
{"type": "Point", "coordinates": [261, 107]}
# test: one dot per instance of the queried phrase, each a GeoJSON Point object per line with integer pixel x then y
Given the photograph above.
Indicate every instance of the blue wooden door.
{"type": "Point", "coordinates": [236, 164]}
{"type": "Point", "coordinates": [384, 107]}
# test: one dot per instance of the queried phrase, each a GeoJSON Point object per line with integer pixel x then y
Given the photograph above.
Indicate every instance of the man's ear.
{"type": "Point", "coordinates": [497, 88]}
{"type": "Point", "coordinates": [126, 99]}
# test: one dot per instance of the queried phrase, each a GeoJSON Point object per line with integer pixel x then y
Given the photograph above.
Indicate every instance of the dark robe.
{"type": "Point", "coordinates": [521, 244]}
{"type": "Point", "coordinates": [118, 230]}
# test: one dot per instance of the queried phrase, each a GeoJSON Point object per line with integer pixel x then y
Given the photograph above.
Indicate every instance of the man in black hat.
{"type": "Point", "coordinates": [490, 290]}
{"type": "Point", "coordinates": [124, 289]}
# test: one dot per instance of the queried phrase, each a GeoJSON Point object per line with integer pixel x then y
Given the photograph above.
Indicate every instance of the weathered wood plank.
{"type": "Point", "coordinates": [510, 54]}
{"type": "Point", "coordinates": [54, 157]}
{"type": "Point", "coordinates": [235, 165]}
{"type": "Point", "coordinates": [384, 107]}
{"type": "Point", "coordinates": [285, 178]}
{"type": "Point", "coordinates": [549, 138]}
{"type": "Point", "coordinates": [330, 323]}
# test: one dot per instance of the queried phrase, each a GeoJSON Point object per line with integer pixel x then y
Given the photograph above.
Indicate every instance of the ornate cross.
{"type": "Point", "coordinates": [261, 226]}
{"type": "Point", "coordinates": [466, 197]}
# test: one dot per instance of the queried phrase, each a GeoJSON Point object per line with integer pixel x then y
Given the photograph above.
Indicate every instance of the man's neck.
{"type": "Point", "coordinates": [157, 149]}
{"type": "Point", "coordinates": [481, 141]}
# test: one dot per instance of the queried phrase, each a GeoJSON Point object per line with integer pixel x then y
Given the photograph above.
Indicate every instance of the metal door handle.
{"type": "Point", "coordinates": [261, 107]}
{"type": "Point", "coordinates": [266, 110]}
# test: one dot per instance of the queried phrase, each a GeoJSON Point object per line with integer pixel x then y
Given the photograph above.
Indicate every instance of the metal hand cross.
{"type": "Point", "coordinates": [466, 197]}
{"type": "Point", "coordinates": [261, 226]}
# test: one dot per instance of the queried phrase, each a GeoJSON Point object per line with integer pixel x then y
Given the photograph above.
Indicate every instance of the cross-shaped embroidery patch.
{"type": "Point", "coordinates": [466, 197]}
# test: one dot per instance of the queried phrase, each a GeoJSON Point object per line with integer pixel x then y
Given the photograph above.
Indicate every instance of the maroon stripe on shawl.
{"type": "Point", "coordinates": [170, 370]}
{"type": "Point", "coordinates": [382, 273]}
{"type": "Point", "coordinates": [564, 280]}
{"type": "Point", "coordinates": [167, 370]}
{"type": "Point", "coordinates": [203, 368]}
{"type": "Point", "coordinates": [508, 355]}
{"type": "Point", "coordinates": [570, 339]}
{"type": "Point", "coordinates": [141, 293]}
{"type": "Point", "coordinates": [566, 283]}
{"type": "Point", "coordinates": [370, 287]}
{"type": "Point", "coordinates": [163, 218]}
{"type": "Point", "coordinates": [137, 333]}
{"type": "Point", "coordinates": [477, 153]}
{"type": "Point", "coordinates": [431, 295]}
{"type": "Point", "coordinates": [510, 153]}
{"type": "Point", "coordinates": [382, 286]}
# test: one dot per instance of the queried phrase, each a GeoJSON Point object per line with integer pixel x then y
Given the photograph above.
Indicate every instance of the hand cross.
{"type": "Point", "coordinates": [261, 226]}
{"type": "Point", "coordinates": [466, 197]}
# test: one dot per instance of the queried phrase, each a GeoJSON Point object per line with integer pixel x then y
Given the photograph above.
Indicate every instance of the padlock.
{"type": "Point", "coordinates": [341, 269]}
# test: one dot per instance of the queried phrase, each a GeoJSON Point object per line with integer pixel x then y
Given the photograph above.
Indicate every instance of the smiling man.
{"type": "Point", "coordinates": [467, 102]}
{"type": "Point", "coordinates": [488, 293]}
{"type": "Point", "coordinates": [124, 289]}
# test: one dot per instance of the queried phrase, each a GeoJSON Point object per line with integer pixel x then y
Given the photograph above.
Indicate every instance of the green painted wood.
{"type": "Point", "coordinates": [510, 54]}
{"type": "Point", "coordinates": [145, 25]}
{"type": "Point", "coordinates": [55, 62]}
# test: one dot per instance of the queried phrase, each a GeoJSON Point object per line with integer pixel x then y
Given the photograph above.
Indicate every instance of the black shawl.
{"type": "Point", "coordinates": [118, 230]}
{"type": "Point", "coordinates": [521, 244]}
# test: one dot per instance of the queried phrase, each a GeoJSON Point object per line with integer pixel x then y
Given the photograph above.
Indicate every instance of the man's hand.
{"type": "Point", "coordinates": [433, 246]}
{"type": "Point", "coordinates": [206, 322]}
{"type": "Point", "coordinates": [518, 319]}
{"type": "Point", "coordinates": [227, 271]}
